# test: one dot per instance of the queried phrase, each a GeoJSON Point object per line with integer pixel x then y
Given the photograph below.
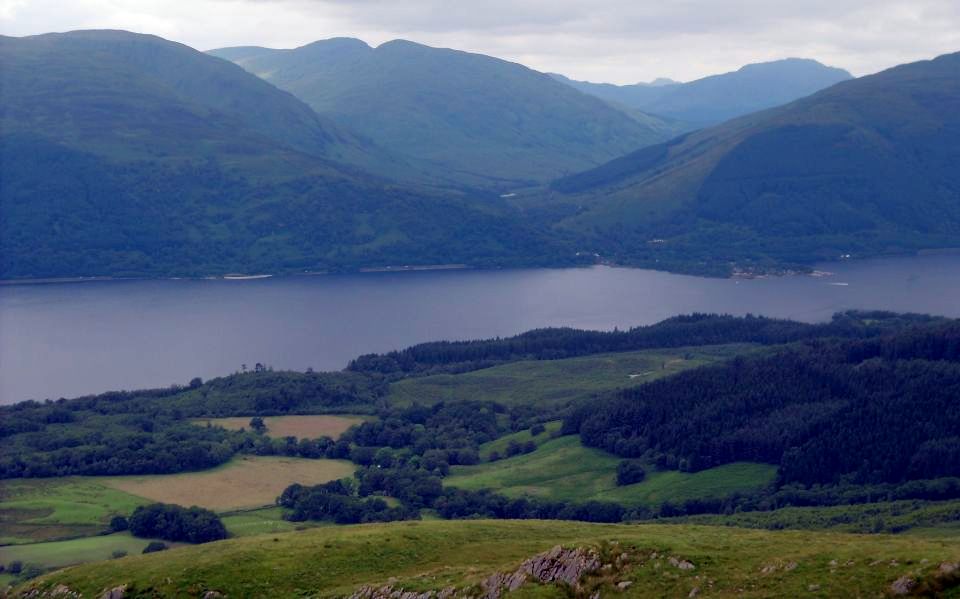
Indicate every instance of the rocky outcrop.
{"type": "Point", "coordinates": [557, 566]}
{"type": "Point", "coordinates": [903, 586]}
{"type": "Point", "coordinates": [58, 592]}
{"type": "Point", "coordinates": [390, 592]}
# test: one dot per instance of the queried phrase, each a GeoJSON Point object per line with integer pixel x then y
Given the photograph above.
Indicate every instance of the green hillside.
{"type": "Point", "coordinates": [718, 98]}
{"type": "Point", "coordinates": [475, 118]}
{"type": "Point", "coordinates": [565, 470]}
{"type": "Point", "coordinates": [551, 384]}
{"type": "Point", "coordinates": [129, 155]}
{"type": "Point", "coordinates": [659, 560]}
{"type": "Point", "coordinates": [862, 168]}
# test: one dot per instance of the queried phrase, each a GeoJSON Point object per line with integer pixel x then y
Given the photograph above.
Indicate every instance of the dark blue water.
{"type": "Point", "coordinates": [71, 339]}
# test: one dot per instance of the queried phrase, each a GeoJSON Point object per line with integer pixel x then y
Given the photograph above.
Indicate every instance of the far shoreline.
{"type": "Point", "coordinates": [735, 273]}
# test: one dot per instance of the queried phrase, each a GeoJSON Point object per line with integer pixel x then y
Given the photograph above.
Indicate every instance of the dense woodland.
{"type": "Point", "coordinates": [679, 331]}
{"type": "Point", "coordinates": [880, 410]}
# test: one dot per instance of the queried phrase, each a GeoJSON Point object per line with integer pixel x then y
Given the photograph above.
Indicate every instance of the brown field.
{"type": "Point", "coordinates": [309, 427]}
{"type": "Point", "coordinates": [245, 482]}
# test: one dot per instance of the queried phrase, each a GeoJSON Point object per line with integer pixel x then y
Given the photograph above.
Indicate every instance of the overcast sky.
{"type": "Point", "coordinates": [621, 41]}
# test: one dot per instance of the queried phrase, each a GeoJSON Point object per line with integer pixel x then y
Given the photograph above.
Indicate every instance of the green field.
{"type": "Point", "coordinates": [262, 521]}
{"type": "Point", "coordinates": [33, 510]}
{"type": "Point", "coordinates": [564, 470]}
{"type": "Point", "coordinates": [500, 445]}
{"type": "Point", "coordinates": [335, 561]}
{"type": "Point", "coordinates": [928, 518]}
{"type": "Point", "coordinates": [555, 383]}
{"type": "Point", "coordinates": [56, 554]}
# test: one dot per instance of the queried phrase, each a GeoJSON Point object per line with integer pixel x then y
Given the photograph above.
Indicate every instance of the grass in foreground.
{"type": "Point", "coordinates": [34, 510]}
{"type": "Point", "coordinates": [57, 554]}
{"type": "Point", "coordinates": [335, 561]}
{"type": "Point", "coordinates": [301, 427]}
{"type": "Point", "coordinates": [555, 383]}
{"type": "Point", "coordinates": [245, 482]}
{"type": "Point", "coordinates": [565, 470]}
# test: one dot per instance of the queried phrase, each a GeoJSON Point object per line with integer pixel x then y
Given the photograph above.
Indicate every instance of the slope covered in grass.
{"type": "Point", "coordinates": [548, 384]}
{"type": "Point", "coordinates": [328, 562]}
{"type": "Point", "coordinates": [565, 470]}
{"type": "Point", "coordinates": [35, 510]}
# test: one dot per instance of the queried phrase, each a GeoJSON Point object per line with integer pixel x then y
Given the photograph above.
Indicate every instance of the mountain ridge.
{"type": "Point", "coordinates": [491, 121]}
{"type": "Point", "coordinates": [716, 98]}
{"type": "Point", "coordinates": [862, 167]}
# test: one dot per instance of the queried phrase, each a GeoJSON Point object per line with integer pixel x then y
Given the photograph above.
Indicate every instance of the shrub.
{"type": "Point", "coordinates": [537, 429]}
{"type": "Point", "coordinates": [118, 554]}
{"type": "Point", "coordinates": [176, 523]}
{"type": "Point", "coordinates": [118, 524]}
{"type": "Point", "coordinates": [630, 472]}
{"type": "Point", "coordinates": [155, 546]}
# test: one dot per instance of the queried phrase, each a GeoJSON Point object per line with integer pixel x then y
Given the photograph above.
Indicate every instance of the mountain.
{"type": "Point", "coordinates": [867, 166]}
{"type": "Point", "coordinates": [718, 98]}
{"type": "Point", "coordinates": [127, 154]}
{"type": "Point", "coordinates": [483, 119]}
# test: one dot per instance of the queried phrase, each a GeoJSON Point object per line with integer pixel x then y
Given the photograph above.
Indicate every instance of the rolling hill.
{"type": "Point", "coordinates": [865, 167]}
{"type": "Point", "coordinates": [718, 98]}
{"type": "Point", "coordinates": [426, 557]}
{"type": "Point", "coordinates": [130, 155]}
{"type": "Point", "coordinates": [481, 119]}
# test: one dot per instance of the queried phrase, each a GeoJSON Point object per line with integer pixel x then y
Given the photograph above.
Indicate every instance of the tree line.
{"type": "Point", "coordinates": [827, 411]}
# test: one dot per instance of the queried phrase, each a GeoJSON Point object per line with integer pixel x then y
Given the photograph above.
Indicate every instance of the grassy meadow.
{"type": "Point", "coordinates": [500, 445]}
{"type": "Point", "coordinates": [57, 554]}
{"type": "Point", "coordinates": [34, 510]}
{"type": "Point", "coordinates": [60, 521]}
{"type": "Point", "coordinates": [244, 482]}
{"type": "Point", "coordinates": [555, 383]}
{"type": "Point", "coordinates": [335, 561]}
{"type": "Point", "coordinates": [562, 469]}
{"type": "Point", "coordinates": [301, 427]}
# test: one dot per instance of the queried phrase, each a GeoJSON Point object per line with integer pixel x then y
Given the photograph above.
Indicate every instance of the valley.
{"type": "Point", "coordinates": [284, 313]}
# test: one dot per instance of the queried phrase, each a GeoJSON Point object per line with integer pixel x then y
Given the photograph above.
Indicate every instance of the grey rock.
{"type": "Point", "coordinates": [903, 585]}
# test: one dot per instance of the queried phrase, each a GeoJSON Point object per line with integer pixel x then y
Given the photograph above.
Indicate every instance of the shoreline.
{"type": "Point", "coordinates": [236, 276]}
{"type": "Point", "coordinates": [735, 273]}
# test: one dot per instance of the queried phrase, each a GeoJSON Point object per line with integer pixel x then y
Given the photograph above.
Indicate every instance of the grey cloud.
{"type": "Point", "coordinates": [609, 40]}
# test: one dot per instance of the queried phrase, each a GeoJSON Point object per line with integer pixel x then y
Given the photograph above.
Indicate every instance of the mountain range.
{"type": "Point", "coordinates": [126, 154]}
{"type": "Point", "coordinates": [480, 119]}
{"type": "Point", "coordinates": [718, 98]}
{"type": "Point", "coordinates": [867, 166]}
{"type": "Point", "coordinates": [129, 155]}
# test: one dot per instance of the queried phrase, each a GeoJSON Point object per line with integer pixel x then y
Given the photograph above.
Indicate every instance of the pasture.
{"type": "Point", "coordinates": [244, 482]}
{"type": "Point", "coordinates": [564, 470]}
{"type": "Point", "coordinates": [301, 427]}
{"type": "Point", "coordinates": [57, 554]}
{"type": "Point", "coordinates": [34, 510]}
{"type": "Point", "coordinates": [548, 384]}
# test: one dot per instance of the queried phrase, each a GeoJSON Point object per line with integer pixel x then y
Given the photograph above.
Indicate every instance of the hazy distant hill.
{"type": "Point", "coordinates": [480, 118]}
{"type": "Point", "coordinates": [126, 154]}
{"type": "Point", "coordinates": [714, 99]}
{"type": "Point", "coordinates": [864, 167]}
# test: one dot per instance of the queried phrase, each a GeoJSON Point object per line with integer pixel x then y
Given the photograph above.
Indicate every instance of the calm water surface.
{"type": "Point", "coordinates": [71, 339]}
